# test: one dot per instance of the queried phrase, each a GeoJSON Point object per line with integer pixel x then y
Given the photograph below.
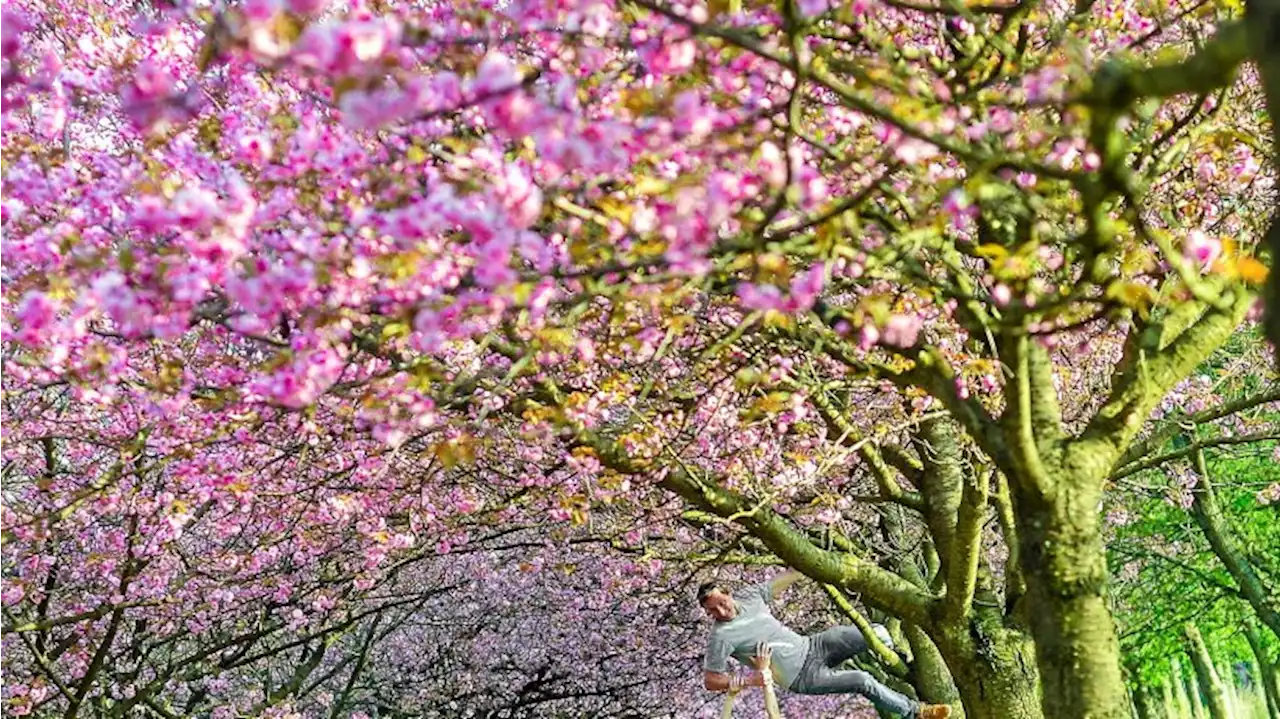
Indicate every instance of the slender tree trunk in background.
{"type": "Point", "coordinates": [1194, 696]}
{"type": "Point", "coordinates": [1256, 691]}
{"type": "Point", "coordinates": [1267, 676]}
{"type": "Point", "coordinates": [1248, 697]}
{"type": "Point", "coordinates": [1227, 674]}
{"type": "Point", "coordinates": [1208, 514]}
{"type": "Point", "coordinates": [1206, 676]}
{"type": "Point", "coordinates": [1142, 695]}
{"type": "Point", "coordinates": [1143, 703]}
{"type": "Point", "coordinates": [1186, 700]}
{"type": "Point", "coordinates": [1168, 705]}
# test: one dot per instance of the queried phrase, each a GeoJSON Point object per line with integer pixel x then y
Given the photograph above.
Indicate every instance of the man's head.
{"type": "Point", "coordinates": [717, 602]}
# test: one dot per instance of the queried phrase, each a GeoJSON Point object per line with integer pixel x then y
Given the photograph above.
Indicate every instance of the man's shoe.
{"type": "Point", "coordinates": [934, 711]}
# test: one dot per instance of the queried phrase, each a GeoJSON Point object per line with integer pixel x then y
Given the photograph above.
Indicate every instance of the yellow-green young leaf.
{"type": "Point", "coordinates": [746, 378]}
{"type": "Point", "coordinates": [454, 452]}
{"type": "Point", "coordinates": [395, 329]}
{"type": "Point", "coordinates": [288, 27]}
{"type": "Point", "coordinates": [995, 253]}
{"type": "Point", "coordinates": [400, 266]}
{"type": "Point", "coordinates": [651, 186]}
{"type": "Point", "coordinates": [1136, 296]}
{"type": "Point", "coordinates": [415, 154]}
{"type": "Point", "coordinates": [716, 8]}
{"type": "Point", "coordinates": [780, 320]}
{"type": "Point", "coordinates": [556, 338]}
{"type": "Point", "coordinates": [651, 248]}
{"type": "Point", "coordinates": [619, 210]}
{"type": "Point", "coordinates": [521, 292]}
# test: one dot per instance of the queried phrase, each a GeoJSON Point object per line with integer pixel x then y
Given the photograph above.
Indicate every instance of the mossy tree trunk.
{"type": "Point", "coordinates": [988, 651]}
{"type": "Point", "coordinates": [981, 662]}
{"type": "Point", "coordinates": [1206, 675]}
{"type": "Point", "coordinates": [1056, 494]}
{"type": "Point", "coordinates": [929, 671]}
{"type": "Point", "coordinates": [1267, 676]}
{"type": "Point", "coordinates": [1076, 641]}
{"type": "Point", "coordinates": [999, 676]}
{"type": "Point", "coordinates": [1057, 483]}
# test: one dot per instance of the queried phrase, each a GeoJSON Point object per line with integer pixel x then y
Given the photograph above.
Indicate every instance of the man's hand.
{"type": "Point", "coordinates": [718, 682]}
{"type": "Point", "coordinates": [762, 658]}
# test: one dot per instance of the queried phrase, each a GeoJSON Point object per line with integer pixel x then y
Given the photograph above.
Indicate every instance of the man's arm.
{"type": "Point", "coordinates": [779, 584]}
{"type": "Point", "coordinates": [761, 661]}
{"type": "Point", "coordinates": [722, 682]}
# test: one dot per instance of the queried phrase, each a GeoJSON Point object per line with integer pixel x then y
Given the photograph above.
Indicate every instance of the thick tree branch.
{"type": "Point", "coordinates": [1137, 391]}
{"type": "Point", "coordinates": [880, 586]}
{"type": "Point", "coordinates": [908, 465]}
{"type": "Point", "coordinates": [1197, 446]}
{"type": "Point", "coordinates": [1173, 425]}
{"type": "Point", "coordinates": [882, 473]}
{"type": "Point", "coordinates": [1046, 413]}
{"type": "Point", "coordinates": [1213, 66]}
{"type": "Point", "coordinates": [885, 654]}
{"type": "Point", "coordinates": [943, 484]}
{"type": "Point", "coordinates": [966, 549]}
{"type": "Point", "coordinates": [1026, 409]}
{"type": "Point", "coordinates": [1015, 587]}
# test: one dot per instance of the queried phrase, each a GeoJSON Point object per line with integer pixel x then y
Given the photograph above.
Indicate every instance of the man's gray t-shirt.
{"type": "Point", "coordinates": [753, 624]}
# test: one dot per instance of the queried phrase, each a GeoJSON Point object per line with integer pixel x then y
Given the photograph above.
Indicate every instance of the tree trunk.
{"type": "Point", "coordinates": [995, 671]}
{"type": "Point", "coordinates": [1213, 524]}
{"type": "Point", "coordinates": [1194, 698]}
{"type": "Point", "coordinates": [1206, 676]}
{"type": "Point", "coordinates": [1266, 671]}
{"type": "Point", "coordinates": [990, 665]}
{"type": "Point", "coordinates": [1186, 700]}
{"type": "Point", "coordinates": [1144, 697]}
{"type": "Point", "coordinates": [929, 672]}
{"type": "Point", "coordinates": [1264, 16]}
{"type": "Point", "coordinates": [1168, 707]}
{"type": "Point", "coordinates": [1143, 702]}
{"type": "Point", "coordinates": [1062, 557]}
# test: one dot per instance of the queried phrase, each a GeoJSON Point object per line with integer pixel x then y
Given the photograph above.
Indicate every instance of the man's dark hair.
{"type": "Point", "coordinates": [706, 588]}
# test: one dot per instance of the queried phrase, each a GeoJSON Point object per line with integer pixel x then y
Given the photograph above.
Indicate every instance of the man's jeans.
{"type": "Point", "coordinates": [820, 674]}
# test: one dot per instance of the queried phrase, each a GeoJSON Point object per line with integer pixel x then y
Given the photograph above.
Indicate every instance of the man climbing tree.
{"type": "Point", "coordinates": [804, 665]}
